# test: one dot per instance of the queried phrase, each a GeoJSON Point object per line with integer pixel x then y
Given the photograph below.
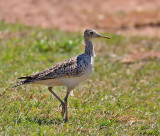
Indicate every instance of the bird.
{"type": "Point", "coordinates": [69, 73]}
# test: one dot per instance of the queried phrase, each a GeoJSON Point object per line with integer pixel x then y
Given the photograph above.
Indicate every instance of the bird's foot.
{"type": "Point", "coordinates": [65, 120]}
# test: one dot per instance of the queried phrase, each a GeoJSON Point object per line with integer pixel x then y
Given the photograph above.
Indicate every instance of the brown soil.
{"type": "Point", "coordinates": [128, 17]}
{"type": "Point", "coordinates": [141, 56]}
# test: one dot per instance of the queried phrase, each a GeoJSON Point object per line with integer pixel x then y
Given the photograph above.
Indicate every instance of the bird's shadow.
{"type": "Point", "coordinates": [45, 121]}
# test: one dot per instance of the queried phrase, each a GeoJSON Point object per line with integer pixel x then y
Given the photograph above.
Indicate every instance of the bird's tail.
{"type": "Point", "coordinates": [22, 82]}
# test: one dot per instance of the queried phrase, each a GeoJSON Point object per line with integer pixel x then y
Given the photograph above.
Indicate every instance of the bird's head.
{"type": "Point", "coordinates": [90, 34]}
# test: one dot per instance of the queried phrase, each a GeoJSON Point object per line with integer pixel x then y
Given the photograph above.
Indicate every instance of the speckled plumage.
{"type": "Point", "coordinates": [69, 73]}
{"type": "Point", "coordinates": [70, 68]}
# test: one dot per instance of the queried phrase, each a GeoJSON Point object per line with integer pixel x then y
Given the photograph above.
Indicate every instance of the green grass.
{"type": "Point", "coordinates": [118, 99]}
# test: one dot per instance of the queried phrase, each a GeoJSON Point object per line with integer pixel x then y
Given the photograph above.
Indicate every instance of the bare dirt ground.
{"type": "Point", "coordinates": [128, 17]}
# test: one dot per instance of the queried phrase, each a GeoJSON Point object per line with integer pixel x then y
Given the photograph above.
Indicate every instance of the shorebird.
{"type": "Point", "coordinates": [69, 73]}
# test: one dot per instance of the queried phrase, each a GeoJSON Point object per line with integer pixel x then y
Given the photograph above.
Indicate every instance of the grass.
{"type": "Point", "coordinates": [118, 99]}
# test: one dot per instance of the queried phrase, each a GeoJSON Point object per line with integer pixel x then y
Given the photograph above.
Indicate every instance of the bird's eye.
{"type": "Point", "coordinates": [91, 33]}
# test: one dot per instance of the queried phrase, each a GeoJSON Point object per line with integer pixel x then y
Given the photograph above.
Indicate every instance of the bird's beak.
{"type": "Point", "coordinates": [101, 36]}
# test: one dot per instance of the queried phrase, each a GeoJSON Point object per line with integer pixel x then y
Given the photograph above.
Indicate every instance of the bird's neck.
{"type": "Point", "coordinates": [89, 49]}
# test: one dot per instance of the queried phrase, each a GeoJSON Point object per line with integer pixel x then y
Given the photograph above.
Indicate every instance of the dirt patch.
{"type": "Point", "coordinates": [141, 56]}
{"type": "Point", "coordinates": [130, 17]}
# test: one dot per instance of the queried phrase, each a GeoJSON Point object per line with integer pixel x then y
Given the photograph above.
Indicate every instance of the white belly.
{"type": "Point", "coordinates": [74, 81]}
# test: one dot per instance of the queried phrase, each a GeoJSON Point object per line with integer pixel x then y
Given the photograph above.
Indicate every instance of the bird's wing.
{"type": "Point", "coordinates": [68, 68]}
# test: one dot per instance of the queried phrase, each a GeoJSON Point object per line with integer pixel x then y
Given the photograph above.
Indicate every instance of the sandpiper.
{"type": "Point", "coordinates": [69, 73]}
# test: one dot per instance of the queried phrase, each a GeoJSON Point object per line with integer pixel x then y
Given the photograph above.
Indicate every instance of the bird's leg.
{"type": "Point", "coordinates": [63, 109]}
{"type": "Point", "coordinates": [65, 101]}
{"type": "Point", "coordinates": [62, 103]}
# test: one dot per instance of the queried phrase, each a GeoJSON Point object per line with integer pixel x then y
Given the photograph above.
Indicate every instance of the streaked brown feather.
{"type": "Point", "coordinates": [67, 68]}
